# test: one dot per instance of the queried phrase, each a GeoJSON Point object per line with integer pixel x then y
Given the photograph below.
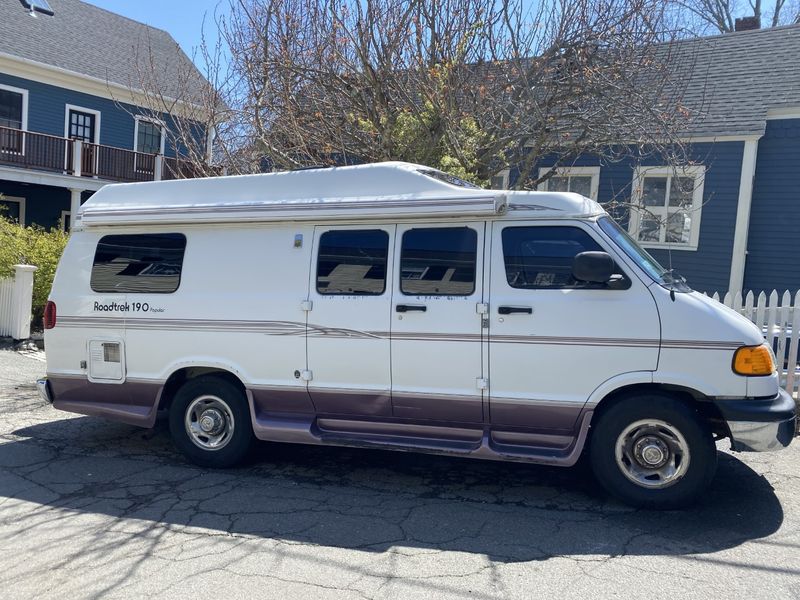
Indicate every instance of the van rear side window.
{"type": "Point", "coordinates": [143, 263]}
{"type": "Point", "coordinates": [352, 262]}
{"type": "Point", "coordinates": [438, 261]}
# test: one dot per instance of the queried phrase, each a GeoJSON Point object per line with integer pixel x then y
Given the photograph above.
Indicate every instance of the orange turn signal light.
{"type": "Point", "coordinates": [753, 360]}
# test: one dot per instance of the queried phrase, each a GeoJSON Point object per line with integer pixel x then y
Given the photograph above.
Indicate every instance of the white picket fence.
{"type": "Point", "coordinates": [16, 296]}
{"type": "Point", "coordinates": [6, 302]}
{"type": "Point", "coordinates": [778, 317]}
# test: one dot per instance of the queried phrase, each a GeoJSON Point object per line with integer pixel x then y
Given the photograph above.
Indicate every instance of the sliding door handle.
{"type": "Point", "coordinates": [410, 307]}
{"type": "Point", "coordinates": [510, 310]}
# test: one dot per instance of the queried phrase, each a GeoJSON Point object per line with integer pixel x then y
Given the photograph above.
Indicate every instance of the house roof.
{"type": "Point", "coordinates": [735, 78]}
{"type": "Point", "coordinates": [370, 191]}
{"type": "Point", "coordinates": [93, 42]}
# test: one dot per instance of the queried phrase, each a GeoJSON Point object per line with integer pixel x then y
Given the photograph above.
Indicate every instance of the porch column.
{"type": "Point", "coordinates": [74, 204]}
{"type": "Point", "coordinates": [739, 255]}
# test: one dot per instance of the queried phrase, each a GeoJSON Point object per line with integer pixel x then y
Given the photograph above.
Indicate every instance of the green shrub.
{"type": "Point", "coordinates": [32, 245]}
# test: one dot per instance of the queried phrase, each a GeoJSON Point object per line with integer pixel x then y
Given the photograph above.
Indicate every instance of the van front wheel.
{"type": "Point", "coordinates": [653, 451]}
{"type": "Point", "coordinates": [209, 420]}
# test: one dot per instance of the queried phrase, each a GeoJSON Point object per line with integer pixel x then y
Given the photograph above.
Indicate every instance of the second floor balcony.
{"type": "Point", "coordinates": [49, 153]}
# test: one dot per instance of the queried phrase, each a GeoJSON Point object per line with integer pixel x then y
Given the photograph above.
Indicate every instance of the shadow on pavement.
{"type": "Point", "coordinates": [371, 500]}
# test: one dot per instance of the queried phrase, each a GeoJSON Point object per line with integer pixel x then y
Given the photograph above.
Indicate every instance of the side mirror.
{"type": "Point", "coordinates": [593, 267]}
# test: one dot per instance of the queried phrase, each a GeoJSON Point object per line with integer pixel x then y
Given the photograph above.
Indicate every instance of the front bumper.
{"type": "Point", "coordinates": [760, 424]}
{"type": "Point", "coordinates": [44, 390]}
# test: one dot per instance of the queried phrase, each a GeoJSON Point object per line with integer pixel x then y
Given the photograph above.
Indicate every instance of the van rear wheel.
{"type": "Point", "coordinates": [653, 451]}
{"type": "Point", "coordinates": [209, 420]}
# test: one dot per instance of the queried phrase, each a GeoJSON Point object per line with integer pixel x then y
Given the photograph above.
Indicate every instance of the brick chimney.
{"type": "Point", "coordinates": [747, 24]}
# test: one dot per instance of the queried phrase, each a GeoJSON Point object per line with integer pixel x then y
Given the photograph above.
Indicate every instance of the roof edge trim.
{"type": "Point", "coordinates": [25, 68]}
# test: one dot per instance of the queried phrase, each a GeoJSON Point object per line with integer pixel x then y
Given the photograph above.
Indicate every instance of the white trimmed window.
{"type": "Point", "coordinates": [580, 180]}
{"type": "Point", "coordinates": [666, 206]}
{"type": "Point", "coordinates": [148, 136]}
{"type": "Point", "coordinates": [13, 119]}
{"type": "Point", "coordinates": [13, 208]}
{"type": "Point", "coordinates": [500, 180]}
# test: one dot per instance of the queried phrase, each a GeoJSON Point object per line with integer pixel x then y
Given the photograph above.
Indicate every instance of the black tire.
{"type": "Point", "coordinates": [239, 440]}
{"type": "Point", "coordinates": [702, 452]}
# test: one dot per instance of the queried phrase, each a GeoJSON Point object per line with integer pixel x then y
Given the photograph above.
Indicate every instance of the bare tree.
{"type": "Point", "coordinates": [700, 17]}
{"type": "Point", "coordinates": [189, 105]}
{"type": "Point", "coordinates": [470, 86]}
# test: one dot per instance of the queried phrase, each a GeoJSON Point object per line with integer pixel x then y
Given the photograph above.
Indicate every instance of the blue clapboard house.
{"type": "Point", "coordinates": [73, 115]}
{"type": "Point", "coordinates": [730, 218]}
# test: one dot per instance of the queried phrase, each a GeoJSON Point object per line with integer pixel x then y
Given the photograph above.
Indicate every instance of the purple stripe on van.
{"type": "Point", "coordinates": [533, 414]}
{"type": "Point", "coordinates": [438, 407]}
{"type": "Point", "coordinates": [277, 399]}
{"type": "Point", "coordinates": [333, 401]}
{"type": "Point", "coordinates": [134, 402]}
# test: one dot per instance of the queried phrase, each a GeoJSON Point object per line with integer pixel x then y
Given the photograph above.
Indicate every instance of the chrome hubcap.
{"type": "Point", "coordinates": [209, 422]}
{"type": "Point", "coordinates": [212, 421]}
{"type": "Point", "coordinates": [652, 453]}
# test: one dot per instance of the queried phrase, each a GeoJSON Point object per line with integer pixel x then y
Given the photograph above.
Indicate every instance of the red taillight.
{"type": "Point", "coordinates": [49, 315]}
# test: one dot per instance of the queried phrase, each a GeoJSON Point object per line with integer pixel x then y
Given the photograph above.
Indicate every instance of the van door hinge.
{"type": "Point", "coordinates": [482, 308]}
{"type": "Point", "coordinates": [306, 375]}
{"type": "Point", "coordinates": [306, 305]}
{"type": "Point", "coordinates": [482, 383]}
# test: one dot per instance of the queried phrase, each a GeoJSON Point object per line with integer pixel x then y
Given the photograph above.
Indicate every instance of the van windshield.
{"type": "Point", "coordinates": [667, 278]}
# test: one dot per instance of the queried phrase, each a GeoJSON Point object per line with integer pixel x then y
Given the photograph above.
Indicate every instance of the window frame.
{"type": "Point", "coordinates": [19, 200]}
{"type": "Point", "coordinates": [24, 93]}
{"type": "Point", "coordinates": [696, 172]}
{"type": "Point", "coordinates": [64, 215]}
{"type": "Point", "coordinates": [76, 108]}
{"type": "Point", "coordinates": [593, 172]}
{"type": "Point", "coordinates": [505, 176]}
{"type": "Point", "coordinates": [160, 293]}
{"type": "Point", "coordinates": [24, 125]}
{"type": "Point", "coordinates": [160, 124]}
{"type": "Point", "coordinates": [360, 295]}
{"type": "Point", "coordinates": [402, 253]}
{"type": "Point", "coordinates": [619, 285]}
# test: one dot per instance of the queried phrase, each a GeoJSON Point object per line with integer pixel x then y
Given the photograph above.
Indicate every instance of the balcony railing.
{"type": "Point", "coordinates": [50, 153]}
{"type": "Point", "coordinates": [33, 150]}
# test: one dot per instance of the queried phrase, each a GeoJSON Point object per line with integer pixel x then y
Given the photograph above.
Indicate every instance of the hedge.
{"type": "Point", "coordinates": [32, 245]}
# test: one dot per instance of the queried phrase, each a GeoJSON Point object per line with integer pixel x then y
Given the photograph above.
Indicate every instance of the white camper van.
{"type": "Point", "coordinates": [393, 306]}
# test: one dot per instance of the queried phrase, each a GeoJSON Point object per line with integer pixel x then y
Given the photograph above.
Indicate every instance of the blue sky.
{"type": "Point", "coordinates": [183, 19]}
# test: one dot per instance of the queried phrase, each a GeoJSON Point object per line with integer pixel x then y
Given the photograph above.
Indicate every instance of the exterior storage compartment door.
{"type": "Point", "coordinates": [106, 360]}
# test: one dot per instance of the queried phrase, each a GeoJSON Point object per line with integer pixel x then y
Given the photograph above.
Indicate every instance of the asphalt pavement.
{"type": "Point", "coordinates": [92, 509]}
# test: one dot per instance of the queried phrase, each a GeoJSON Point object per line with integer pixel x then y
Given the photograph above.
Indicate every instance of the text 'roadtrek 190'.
{"type": "Point", "coordinates": [393, 306]}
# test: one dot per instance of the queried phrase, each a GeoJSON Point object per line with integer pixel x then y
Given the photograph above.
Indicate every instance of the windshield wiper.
{"type": "Point", "coordinates": [674, 282]}
{"type": "Point", "coordinates": [672, 276]}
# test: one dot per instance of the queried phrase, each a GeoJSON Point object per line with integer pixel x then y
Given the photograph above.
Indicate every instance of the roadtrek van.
{"type": "Point", "coordinates": [394, 306]}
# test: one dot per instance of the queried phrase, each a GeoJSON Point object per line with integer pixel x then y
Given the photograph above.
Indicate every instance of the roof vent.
{"type": "Point", "coordinates": [42, 6]}
{"type": "Point", "coordinates": [747, 24]}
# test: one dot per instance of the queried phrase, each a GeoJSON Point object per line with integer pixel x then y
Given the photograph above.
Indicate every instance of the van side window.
{"type": "Point", "coordinates": [352, 262]}
{"type": "Point", "coordinates": [438, 261]}
{"type": "Point", "coordinates": [541, 257]}
{"type": "Point", "coordinates": [144, 263]}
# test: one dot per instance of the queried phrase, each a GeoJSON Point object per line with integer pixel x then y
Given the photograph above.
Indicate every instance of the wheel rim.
{"type": "Point", "coordinates": [652, 453]}
{"type": "Point", "coordinates": [209, 422]}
